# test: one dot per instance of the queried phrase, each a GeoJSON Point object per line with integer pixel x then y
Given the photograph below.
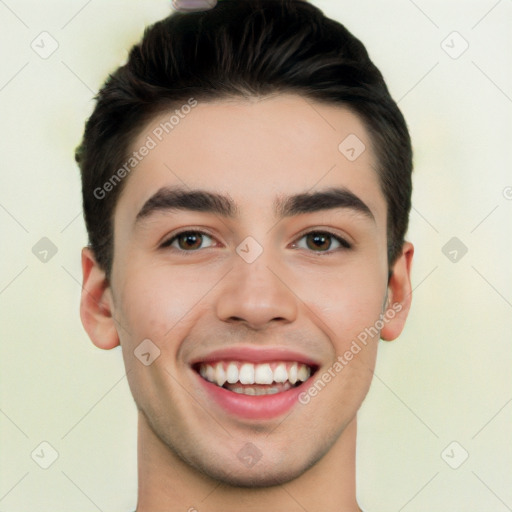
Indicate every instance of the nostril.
{"type": "Point", "coordinates": [240, 319]}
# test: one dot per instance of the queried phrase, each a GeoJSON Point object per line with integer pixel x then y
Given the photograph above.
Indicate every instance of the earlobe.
{"type": "Point", "coordinates": [399, 295]}
{"type": "Point", "coordinates": [96, 304]}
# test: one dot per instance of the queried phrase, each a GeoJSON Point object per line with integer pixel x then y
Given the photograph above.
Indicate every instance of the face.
{"type": "Point", "coordinates": [251, 252]}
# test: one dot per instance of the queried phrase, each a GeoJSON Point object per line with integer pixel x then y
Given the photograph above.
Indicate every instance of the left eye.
{"type": "Point", "coordinates": [321, 241]}
{"type": "Point", "coordinates": [189, 241]}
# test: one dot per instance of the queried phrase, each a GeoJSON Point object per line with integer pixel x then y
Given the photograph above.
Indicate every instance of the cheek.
{"type": "Point", "coordinates": [346, 300]}
{"type": "Point", "coordinates": [156, 302]}
{"type": "Point", "coordinates": [160, 305]}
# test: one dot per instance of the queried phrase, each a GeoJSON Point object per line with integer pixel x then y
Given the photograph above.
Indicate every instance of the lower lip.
{"type": "Point", "coordinates": [261, 407]}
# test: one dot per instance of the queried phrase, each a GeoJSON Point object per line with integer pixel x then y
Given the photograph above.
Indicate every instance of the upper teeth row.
{"type": "Point", "coordinates": [248, 373]}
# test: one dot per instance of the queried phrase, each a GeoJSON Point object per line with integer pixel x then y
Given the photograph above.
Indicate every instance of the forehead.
{"type": "Point", "coordinates": [256, 150]}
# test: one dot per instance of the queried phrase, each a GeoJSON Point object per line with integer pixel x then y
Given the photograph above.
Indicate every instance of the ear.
{"type": "Point", "coordinates": [96, 304]}
{"type": "Point", "coordinates": [399, 295]}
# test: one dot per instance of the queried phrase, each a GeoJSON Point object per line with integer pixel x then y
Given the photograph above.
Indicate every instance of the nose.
{"type": "Point", "coordinates": [257, 295]}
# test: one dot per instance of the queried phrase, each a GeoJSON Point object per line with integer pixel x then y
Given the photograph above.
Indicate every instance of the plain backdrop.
{"type": "Point", "coordinates": [434, 431]}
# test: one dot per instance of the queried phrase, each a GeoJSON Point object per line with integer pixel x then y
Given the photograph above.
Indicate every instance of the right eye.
{"type": "Point", "coordinates": [189, 241]}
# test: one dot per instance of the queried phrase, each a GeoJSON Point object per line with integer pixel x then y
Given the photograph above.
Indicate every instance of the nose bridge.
{"type": "Point", "coordinates": [253, 259]}
{"type": "Point", "coordinates": [255, 293]}
{"type": "Point", "coordinates": [257, 278]}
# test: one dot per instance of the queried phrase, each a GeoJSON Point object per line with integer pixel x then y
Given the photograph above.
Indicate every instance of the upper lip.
{"type": "Point", "coordinates": [255, 355]}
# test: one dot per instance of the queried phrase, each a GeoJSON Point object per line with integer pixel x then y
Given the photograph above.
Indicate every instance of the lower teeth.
{"type": "Point", "coordinates": [258, 390]}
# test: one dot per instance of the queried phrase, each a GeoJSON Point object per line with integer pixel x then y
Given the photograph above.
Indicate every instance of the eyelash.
{"type": "Point", "coordinates": [344, 245]}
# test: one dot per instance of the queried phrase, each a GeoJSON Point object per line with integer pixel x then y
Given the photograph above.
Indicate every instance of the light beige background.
{"type": "Point", "coordinates": [446, 379]}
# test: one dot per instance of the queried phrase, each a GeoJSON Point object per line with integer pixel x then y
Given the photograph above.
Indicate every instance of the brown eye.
{"type": "Point", "coordinates": [320, 241]}
{"type": "Point", "coordinates": [189, 241]}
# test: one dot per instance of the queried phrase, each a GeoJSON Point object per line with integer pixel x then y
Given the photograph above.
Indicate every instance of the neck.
{"type": "Point", "coordinates": [167, 484]}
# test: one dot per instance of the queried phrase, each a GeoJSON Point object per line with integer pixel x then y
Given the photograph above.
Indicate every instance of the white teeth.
{"type": "Point", "coordinates": [303, 373]}
{"type": "Point", "coordinates": [292, 373]}
{"type": "Point", "coordinates": [280, 373]}
{"type": "Point", "coordinates": [263, 374]}
{"type": "Point", "coordinates": [246, 374]}
{"type": "Point", "coordinates": [220, 374]}
{"type": "Point", "coordinates": [232, 373]}
{"type": "Point", "coordinates": [210, 373]}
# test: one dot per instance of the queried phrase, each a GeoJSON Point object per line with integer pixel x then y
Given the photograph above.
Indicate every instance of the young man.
{"type": "Point", "coordinates": [246, 186]}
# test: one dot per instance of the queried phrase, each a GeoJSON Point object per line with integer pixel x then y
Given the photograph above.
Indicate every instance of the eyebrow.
{"type": "Point", "coordinates": [177, 198]}
{"type": "Point", "coordinates": [328, 199]}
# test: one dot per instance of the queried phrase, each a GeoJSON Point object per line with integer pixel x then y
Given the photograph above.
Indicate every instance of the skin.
{"type": "Point", "coordinates": [292, 296]}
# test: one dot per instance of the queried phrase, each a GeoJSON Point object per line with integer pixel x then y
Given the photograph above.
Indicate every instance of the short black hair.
{"type": "Point", "coordinates": [240, 48]}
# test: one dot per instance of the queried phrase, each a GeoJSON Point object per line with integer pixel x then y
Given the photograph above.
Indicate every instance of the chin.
{"type": "Point", "coordinates": [265, 473]}
{"type": "Point", "coordinates": [256, 477]}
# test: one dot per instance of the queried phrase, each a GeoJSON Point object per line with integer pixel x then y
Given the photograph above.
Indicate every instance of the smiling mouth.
{"type": "Point", "coordinates": [255, 379]}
